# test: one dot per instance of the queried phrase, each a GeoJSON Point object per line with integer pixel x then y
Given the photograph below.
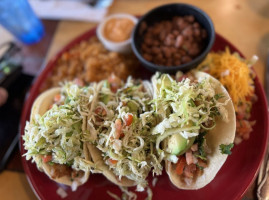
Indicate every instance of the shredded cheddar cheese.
{"type": "Point", "coordinates": [233, 72]}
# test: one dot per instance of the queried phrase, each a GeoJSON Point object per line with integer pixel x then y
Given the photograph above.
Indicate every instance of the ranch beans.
{"type": "Point", "coordinates": [173, 42]}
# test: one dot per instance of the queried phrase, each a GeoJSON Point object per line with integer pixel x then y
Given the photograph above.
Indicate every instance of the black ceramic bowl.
{"type": "Point", "coordinates": [167, 12]}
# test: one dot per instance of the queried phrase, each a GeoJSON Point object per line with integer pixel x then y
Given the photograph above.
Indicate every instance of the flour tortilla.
{"type": "Point", "coordinates": [97, 158]}
{"type": "Point", "coordinates": [40, 106]}
{"type": "Point", "coordinates": [223, 133]}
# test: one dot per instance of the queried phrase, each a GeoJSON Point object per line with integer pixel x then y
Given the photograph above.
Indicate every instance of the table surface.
{"type": "Point", "coordinates": [243, 23]}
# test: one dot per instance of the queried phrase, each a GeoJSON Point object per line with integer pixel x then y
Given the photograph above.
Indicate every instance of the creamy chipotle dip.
{"type": "Point", "coordinates": [118, 29]}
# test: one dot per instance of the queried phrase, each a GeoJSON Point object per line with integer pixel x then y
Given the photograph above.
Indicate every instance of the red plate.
{"type": "Point", "coordinates": [231, 182]}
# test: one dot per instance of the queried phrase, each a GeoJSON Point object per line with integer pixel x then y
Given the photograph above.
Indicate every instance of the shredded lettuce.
{"type": "Point", "coordinates": [127, 126]}
{"type": "Point", "coordinates": [186, 107]}
{"type": "Point", "coordinates": [131, 152]}
{"type": "Point", "coordinates": [59, 131]}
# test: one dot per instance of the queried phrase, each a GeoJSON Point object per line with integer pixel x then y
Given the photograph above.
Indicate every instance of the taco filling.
{"type": "Point", "coordinates": [125, 130]}
{"type": "Point", "coordinates": [119, 125]}
{"type": "Point", "coordinates": [189, 110]}
{"type": "Point", "coordinates": [54, 139]}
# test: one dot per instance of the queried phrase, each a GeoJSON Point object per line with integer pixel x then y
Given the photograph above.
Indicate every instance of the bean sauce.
{"type": "Point", "coordinates": [173, 42]}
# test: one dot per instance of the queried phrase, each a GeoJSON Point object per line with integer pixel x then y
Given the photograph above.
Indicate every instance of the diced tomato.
{"type": "Point", "coordinates": [181, 163]}
{"type": "Point", "coordinates": [243, 128]}
{"type": "Point", "coordinates": [121, 135]}
{"type": "Point", "coordinates": [57, 98]}
{"type": "Point", "coordinates": [115, 83]}
{"type": "Point", "coordinates": [241, 112]}
{"type": "Point", "coordinates": [240, 115]}
{"type": "Point", "coordinates": [113, 162]}
{"type": "Point", "coordinates": [114, 88]}
{"type": "Point", "coordinates": [252, 97]}
{"type": "Point", "coordinates": [118, 127]}
{"type": "Point", "coordinates": [128, 118]}
{"type": "Point", "coordinates": [100, 111]}
{"type": "Point", "coordinates": [47, 158]}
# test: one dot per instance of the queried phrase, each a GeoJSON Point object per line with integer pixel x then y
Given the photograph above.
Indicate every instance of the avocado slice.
{"type": "Point", "coordinates": [178, 145]}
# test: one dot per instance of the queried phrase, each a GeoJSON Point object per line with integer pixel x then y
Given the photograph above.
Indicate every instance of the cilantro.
{"type": "Point", "coordinates": [200, 141]}
{"type": "Point", "coordinates": [214, 111]}
{"type": "Point", "coordinates": [218, 96]}
{"type": "Point", "coordinates": [226, 149]}
{"type": "Point", "coordinates": [200, 138]}
{"type": "Point", "coordinates": [203, 154]}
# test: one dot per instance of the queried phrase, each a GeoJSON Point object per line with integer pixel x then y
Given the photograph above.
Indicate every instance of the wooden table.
{"type": "Point", "coordinates": [243, 23]}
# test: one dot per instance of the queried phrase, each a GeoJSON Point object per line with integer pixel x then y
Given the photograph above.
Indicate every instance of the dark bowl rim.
{"type": "Point", "coordinates": [185, 65]}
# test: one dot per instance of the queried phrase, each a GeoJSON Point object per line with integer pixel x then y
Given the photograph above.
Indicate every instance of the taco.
{"type": "Point", "coordinates": [197, 127]}
{"type": "Point", "coordinates": [119, 121]}
{"type": "Point", "coordinates": [53, 138]}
